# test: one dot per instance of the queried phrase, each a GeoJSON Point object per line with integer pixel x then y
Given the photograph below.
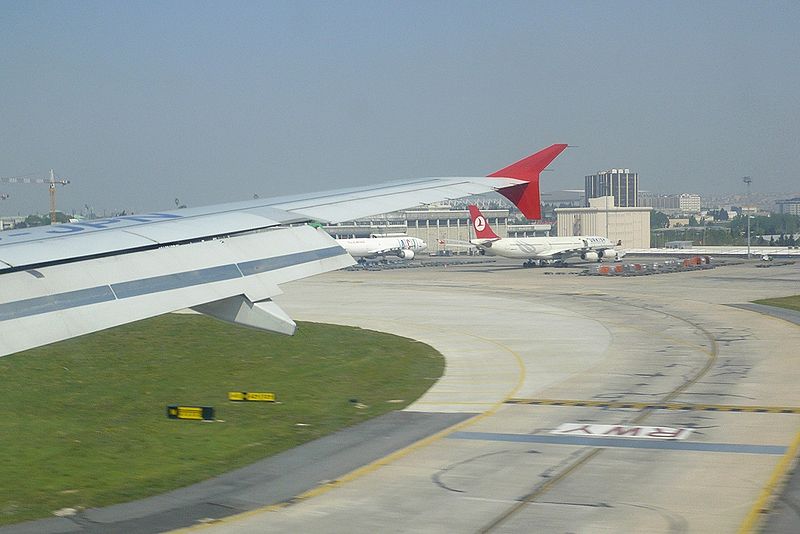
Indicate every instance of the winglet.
{"type": "Point", "coordinates": [480, 224]}
{"type": "Point", "coordinates": [526, 196]}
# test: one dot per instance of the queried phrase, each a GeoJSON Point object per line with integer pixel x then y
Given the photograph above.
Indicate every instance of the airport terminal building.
{"type": "Point", "coordinates": [435, 226]}
{"type": "Point", "coordinates": [439, 225]}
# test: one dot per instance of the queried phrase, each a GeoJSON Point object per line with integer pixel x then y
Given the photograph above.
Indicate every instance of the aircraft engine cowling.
{"type": "Point", "coordinates": [590, 256]}
{"type": "Point", "coordinates": [405, 254]}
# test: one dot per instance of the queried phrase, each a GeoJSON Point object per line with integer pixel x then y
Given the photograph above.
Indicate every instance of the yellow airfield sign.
{"type": "Point", "coordinates": [197, 413]}
{"type": "Point", "coordinates": [251, 396]}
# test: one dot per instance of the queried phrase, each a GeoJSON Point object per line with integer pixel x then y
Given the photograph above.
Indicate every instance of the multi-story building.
{"type": "Point", "coordinates": [689, 203]}
{"type": "Point", "coordinates": [683, 203]}
{"type": "Point", "coordinates": [622, 184]}
{"type": "Point", "coordinates": [790, 206]}
{"type": "Point", "coordinates": [660, 202]}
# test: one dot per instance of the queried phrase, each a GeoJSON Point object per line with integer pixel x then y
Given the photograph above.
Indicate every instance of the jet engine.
{"type": "Point", "coordinates": [405, 254]}
{"type": "Point", "coordinates": [590, 256]}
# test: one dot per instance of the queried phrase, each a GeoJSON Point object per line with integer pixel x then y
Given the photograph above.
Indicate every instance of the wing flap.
{"type": "Point", "coordinates": [37, 252]}
{"type": "Point", "coordinates": [239, 309]}
{"type": "Point", "coordinates": [64, 242]}
{"type": "Point", "coordinates": [178, 230]}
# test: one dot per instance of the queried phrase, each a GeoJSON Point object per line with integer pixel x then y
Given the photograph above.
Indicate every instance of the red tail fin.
{"type": "Point", "coordinates": [480, 224]}
{"type": "Point", "coordinates": [526, 196]}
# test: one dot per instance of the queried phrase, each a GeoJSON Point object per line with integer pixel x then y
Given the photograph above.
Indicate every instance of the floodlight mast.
{"type": "Point", "coordinates": [747, 180]}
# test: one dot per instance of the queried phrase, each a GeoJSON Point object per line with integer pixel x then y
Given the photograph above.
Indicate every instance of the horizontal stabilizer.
{"type": "Point", "coordinates": [264, 315]}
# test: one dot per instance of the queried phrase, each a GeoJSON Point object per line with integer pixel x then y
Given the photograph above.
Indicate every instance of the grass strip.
{"type": "Point", "coordinates": [790, 303]}
{"type": "Point", "coordinates": [84, 420]}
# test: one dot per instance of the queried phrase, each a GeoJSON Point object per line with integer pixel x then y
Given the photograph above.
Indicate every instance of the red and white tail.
{"type": "Point", "coordinates": [480, 224]}
{"type": "Point", "coordinates": [526, 196]}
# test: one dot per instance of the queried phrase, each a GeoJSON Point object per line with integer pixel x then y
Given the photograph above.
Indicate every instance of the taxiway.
{"type": "Point", "coordinates": [519, 343]}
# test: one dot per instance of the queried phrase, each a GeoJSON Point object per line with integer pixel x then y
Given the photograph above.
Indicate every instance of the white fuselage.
{"type": "Point", "coordinates": [374, 247]}
{"type": "Point", "coordinates": [542, 248]}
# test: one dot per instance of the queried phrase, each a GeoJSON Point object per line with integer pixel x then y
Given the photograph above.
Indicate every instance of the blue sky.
{"type": "Point", "coordinates": [142, 102]}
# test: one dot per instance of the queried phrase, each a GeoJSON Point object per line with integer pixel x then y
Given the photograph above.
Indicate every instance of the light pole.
{"type": "Point", "coordinates": [748, 236]}
{"type": "Point", "coordinates": [747, 180]}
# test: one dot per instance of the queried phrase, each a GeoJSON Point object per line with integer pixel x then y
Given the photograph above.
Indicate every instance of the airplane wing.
{"type": "Point", "coordinates": [384, 251]}
{"type": "Point", "coordinates": [574, 251]}
{"type": "Point", "coordinates": [227, 261]}
{"type": "Point", "coordinates": [456, 243]}
{"type": "Point", "coordinates": [561, 254]}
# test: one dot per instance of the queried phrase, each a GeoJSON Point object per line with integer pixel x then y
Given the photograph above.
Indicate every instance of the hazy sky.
{"type": "Point", "coordinates": [142, 102]}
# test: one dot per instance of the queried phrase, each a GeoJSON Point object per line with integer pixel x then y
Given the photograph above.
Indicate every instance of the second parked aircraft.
{"type": "Point", "coordinates": [403, 247]}
{"type": "Point", "coordinates": [538, 250]}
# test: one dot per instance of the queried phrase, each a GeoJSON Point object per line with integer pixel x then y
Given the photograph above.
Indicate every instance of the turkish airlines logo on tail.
{"type": "Point", "coordinates": [480, 223]}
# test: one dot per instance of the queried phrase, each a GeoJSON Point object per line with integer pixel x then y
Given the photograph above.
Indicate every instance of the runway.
{"type": "Point", "coordinates": [532, 353]}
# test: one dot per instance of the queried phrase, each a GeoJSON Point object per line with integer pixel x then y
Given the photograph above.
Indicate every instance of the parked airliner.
{"type": "Point", "coordinates": [538, 250]}
{"type": "Point", "coordinates": [403, 247]}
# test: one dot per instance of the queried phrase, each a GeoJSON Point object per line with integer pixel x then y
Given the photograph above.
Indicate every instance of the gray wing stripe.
{"type": "Point", "coordinates": [157, 284]}
{"type": "Point", "coordinates": [271, 264]}
{"type": "Point", "coordinates": [51, 303]}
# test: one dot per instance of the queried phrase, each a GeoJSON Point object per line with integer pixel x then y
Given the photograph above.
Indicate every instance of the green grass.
{"type": "Point", "coordinates": [791, 303]}
{"type": "Point", "coordinates": [84, 423]}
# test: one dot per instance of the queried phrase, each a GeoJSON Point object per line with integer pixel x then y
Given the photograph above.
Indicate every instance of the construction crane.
{"type": "Point", "coordinates": [32, 179]}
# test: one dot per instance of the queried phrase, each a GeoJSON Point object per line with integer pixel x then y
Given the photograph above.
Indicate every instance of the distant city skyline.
{"type": "Point", "coordinates": [142, 103]}
{"type": "Point", "coordinates": [764, 199]}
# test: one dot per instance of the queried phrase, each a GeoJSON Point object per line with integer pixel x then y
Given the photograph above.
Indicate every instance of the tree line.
{"type": "Point", "coordinates": [774, 230]}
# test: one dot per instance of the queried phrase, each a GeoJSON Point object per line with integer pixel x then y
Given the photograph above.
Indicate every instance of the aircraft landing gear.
{"type": "Point", "coordinates": [530, 263]}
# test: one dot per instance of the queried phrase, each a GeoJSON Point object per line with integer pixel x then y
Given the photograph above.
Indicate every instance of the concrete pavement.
{"type": "Point", "coordinates": [517, 333]}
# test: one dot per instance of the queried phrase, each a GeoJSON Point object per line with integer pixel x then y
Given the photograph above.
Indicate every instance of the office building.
{"type": "Point", "coordinates": [622, 184]}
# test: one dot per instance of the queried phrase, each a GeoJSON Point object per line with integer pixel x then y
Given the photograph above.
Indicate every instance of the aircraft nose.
{"type": "Point", "coordinates": [423, 245]}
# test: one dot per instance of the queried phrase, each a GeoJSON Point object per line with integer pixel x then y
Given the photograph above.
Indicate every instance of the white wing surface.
{"type": "Point", "coordinates": [227, 261]}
